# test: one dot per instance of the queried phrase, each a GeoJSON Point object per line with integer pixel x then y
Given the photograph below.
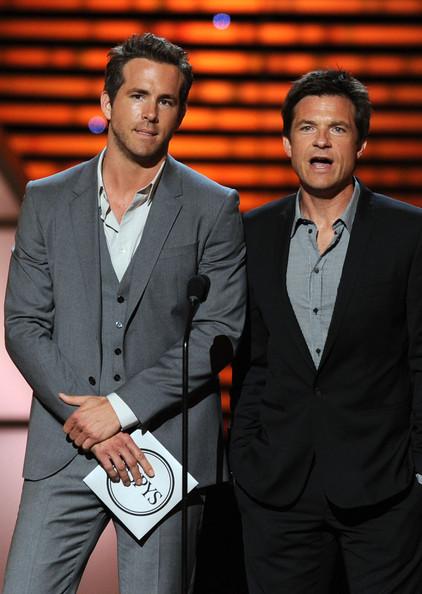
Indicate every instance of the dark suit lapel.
{"type": "Point", "coordinates": [355, 257]}
{"type": "Point", "coordinates": [85, 225]}
{"type": "Point", "coordinates": [281, 258]}
{"type": "Point", "coordinates": [165, 208]}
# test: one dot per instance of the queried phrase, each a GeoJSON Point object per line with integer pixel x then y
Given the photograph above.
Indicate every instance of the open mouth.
{"type": "Point", "coordinates": [321, 161]}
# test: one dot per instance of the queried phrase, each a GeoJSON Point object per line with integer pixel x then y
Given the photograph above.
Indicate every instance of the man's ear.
{"type": "Point", "coordinates": [182, 114]}
{"type": "Point", "coordinates": [362, 148]}
{"type": "Point", "coordinates": [105, 105]}
{"type": "Point", "coordinates": [287, 146]}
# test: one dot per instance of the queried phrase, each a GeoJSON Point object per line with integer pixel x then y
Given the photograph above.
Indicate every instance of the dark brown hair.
{"type": "Point", "coordinates": [153, 48]}
{"type": "Point", "coordinates": [329, 82]}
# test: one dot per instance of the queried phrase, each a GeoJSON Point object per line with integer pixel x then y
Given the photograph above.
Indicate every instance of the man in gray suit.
{"type": "Point", "coordinates": [95, 312]}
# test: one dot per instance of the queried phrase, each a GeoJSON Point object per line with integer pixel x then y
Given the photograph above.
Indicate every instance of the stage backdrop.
{"type": "Point", "coordinates": [245, 53]}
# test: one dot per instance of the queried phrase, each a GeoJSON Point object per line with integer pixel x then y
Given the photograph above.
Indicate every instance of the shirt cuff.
{"type": "Point", "coordinates": [419, 478]}
{"type": "Point", "coordinates": [124, 413]}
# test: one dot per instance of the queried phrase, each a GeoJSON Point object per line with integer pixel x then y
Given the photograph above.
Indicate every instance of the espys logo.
{"type": "Point", "coordinates": [145, 499]}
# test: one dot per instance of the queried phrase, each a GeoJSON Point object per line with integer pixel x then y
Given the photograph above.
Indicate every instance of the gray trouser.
{"type": "Point", "coordinates": [59, 523]}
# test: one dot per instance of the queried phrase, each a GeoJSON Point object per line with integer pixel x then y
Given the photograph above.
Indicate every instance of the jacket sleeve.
{"type": "Point", "coordinates": [29, 318]}
{"type": "Point", "coordinates": [157, 389]}
{"type": "Point", "coordinates": [414, 319]}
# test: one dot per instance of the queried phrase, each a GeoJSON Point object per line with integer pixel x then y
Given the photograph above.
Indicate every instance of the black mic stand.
{"type": "Point", "coordinates": [197, 292]}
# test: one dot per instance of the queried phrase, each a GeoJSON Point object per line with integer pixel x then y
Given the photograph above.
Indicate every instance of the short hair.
{"type": "Point", "coordinates": [153, 48]}
{"type": "Point", "coordinates": [329, 82]}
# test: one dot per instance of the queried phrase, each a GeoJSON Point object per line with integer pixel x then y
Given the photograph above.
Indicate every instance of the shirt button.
{"type": "Point", "coordinates": [309, 230]}
{"type": "Point", "coordinates": [92, 380]}
{"type": "Point", "coordinates": [117, 351]}
{"type": "Point", "coordinates": [315, 310]}
{"type": "Point", "coordinates": [120, 299]}
{"type": "Point", "coordinates": [318, 351]}
{"type": "Point", "coordinates": [119, 324]}
{"type": "Point", "coordinates": [316, 270]}
{"type": "Point", "coordinates": [117, 377]}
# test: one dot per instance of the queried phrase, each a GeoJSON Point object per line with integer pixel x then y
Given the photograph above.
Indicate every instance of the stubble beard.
{"type": "Point", "coordinates": [145, 160]}
{"type": "Point", "coordinates": [327, 192]}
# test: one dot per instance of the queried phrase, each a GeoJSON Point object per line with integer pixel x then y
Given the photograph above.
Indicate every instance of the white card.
{"type": "Point", "coordinates": [140, 508]}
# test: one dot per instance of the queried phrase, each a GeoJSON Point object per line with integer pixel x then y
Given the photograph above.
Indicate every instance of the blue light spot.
{"type": "Point", "coordinates": [221, 21]}
{"type": "Point", "coordinates": [97, 125]}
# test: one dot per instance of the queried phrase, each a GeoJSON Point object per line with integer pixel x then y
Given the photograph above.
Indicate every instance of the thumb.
{"type": "Point", "coordinates": [72, 400]}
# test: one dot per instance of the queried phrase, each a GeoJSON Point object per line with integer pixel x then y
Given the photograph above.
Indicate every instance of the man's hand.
{"type": "Point", "coordinates": [92, 422]}
{"type": "Point", "coordinates": [119, 454]}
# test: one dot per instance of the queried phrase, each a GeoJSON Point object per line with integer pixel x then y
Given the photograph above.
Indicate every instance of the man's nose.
{"type": "Point", "coordinates": [322, 138]}
{"type": "Point", "coordinates": [150, 111]}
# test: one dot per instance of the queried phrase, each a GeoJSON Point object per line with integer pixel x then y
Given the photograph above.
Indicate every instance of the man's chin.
{"type": "Point", "coordinates": [146, 160]}
{"type": "Point", "coordinates": [324, 193]}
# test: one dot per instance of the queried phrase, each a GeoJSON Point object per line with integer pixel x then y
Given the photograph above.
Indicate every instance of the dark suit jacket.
{"type": "Point", "coordinates": [360, 413]}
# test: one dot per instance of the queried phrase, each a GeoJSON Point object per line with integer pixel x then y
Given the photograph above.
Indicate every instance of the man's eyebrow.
{"type": "Point", "coordinates": [305, 121]}
{"type": "Point", "coordinates": [146, 92]}
{"type": "Point", "coordinates": [331, 123]}
{"type": "Point", "coordinates": [168, 96]}
{"type": "Point", "coordinates": [340, 123]}
{"type": "Point", "coordinates": [137, 90]}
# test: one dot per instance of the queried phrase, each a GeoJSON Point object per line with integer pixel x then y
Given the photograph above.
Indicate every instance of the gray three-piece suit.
{"type": "Point", "coordinates": [72, 327]}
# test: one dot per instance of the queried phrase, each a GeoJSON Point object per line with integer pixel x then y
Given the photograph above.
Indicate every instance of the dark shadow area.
{"type": "Point", "coordinates": [220, 568]}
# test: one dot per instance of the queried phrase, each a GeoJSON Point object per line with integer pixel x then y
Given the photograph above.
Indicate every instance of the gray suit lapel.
{"type": "Point", "coordinates": [164, 210]}
{"type": "Point", "coordinates": [85, 225]}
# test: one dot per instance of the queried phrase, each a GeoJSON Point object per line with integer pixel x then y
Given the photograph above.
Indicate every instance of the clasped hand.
{"type": "Point", "coordinates": [94, 426]}
{"type": "Point", "coordinates": [93, 421]}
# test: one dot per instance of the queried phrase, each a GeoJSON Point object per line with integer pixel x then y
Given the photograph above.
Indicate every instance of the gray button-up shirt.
{"type": "Point", "coordinates": [313, 278]}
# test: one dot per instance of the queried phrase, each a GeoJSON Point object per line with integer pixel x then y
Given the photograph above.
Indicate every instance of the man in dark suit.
{"type": "Point", "coordinates": [327, 433]}
{"type": "Point", "coordinates": [96, 308]}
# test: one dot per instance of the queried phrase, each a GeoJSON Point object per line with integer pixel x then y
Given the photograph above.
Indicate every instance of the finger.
{"type": "Point", "coordinates": [69, 424]}
{"type": "Point", "coordinates": [77, 436]}
{"type": "Point", "coordinates": [131, 465]}
{"type": "Point", "coordinates": [88, 443]}
{"type": "Point", "coordinates": [106, 463]}
{"type": "Point", "coordinates": [141, 459]}
{"type": "Point", "coordinates": [122, 470]}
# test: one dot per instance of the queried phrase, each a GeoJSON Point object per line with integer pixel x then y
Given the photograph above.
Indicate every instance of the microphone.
{"type": "Point", "coordinates": [198, 287]}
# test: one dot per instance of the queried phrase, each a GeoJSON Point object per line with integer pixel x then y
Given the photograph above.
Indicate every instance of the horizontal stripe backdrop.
{"type": "Point", "coordinates": [53, 53]}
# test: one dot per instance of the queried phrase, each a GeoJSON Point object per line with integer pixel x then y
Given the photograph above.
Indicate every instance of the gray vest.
{"type": "Point", "coordinates": [113, 320]}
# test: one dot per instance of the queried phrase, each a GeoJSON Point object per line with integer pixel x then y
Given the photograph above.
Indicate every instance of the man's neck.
{"type": "Point", "coordinates": [325, 211]}
{"type": "Point", "coordinates": [124, 176]}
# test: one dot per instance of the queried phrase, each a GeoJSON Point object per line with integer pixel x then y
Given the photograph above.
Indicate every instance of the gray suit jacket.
{"type": "Point", "coordinates": [53, 310]}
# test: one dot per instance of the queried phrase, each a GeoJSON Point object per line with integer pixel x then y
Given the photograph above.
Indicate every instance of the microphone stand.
{"type": "Point", "coordinates": [198, 287]}
{"type": "Point", "coordinates": [194, 303]}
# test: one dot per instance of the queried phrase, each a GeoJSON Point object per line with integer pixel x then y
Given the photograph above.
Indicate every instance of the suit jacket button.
{"type": "Point", "coordinates": [92, 380]}
{"type": "Point", "coordinates": [318, 392]}
{"type": "Point", "coordinates": [120, 299]}
{"type": "Point", "coordinates": [117, 377]}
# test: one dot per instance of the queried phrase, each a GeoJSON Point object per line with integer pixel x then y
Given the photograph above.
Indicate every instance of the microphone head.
{"type": "Point", "coordinates": [198, 287]}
